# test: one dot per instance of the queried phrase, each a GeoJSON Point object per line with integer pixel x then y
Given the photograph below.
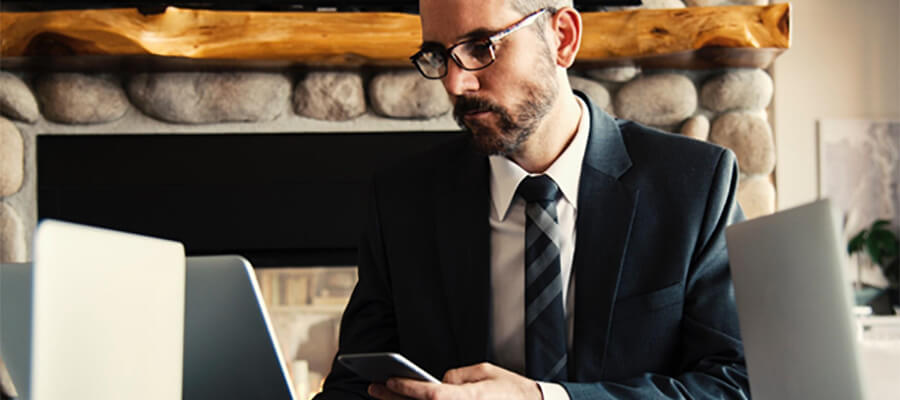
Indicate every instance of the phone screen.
{"type": "Point", "coordinates": [379, 367]}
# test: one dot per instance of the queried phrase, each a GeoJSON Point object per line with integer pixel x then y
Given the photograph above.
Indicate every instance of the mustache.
{"type": "Point", "coordinates": [465, 105]}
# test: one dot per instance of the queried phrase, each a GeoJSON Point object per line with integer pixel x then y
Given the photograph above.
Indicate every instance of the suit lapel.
{"type": "Point", "coordinates": [606, 208]}
{"type": "Point", "coordinates": [463, 235]}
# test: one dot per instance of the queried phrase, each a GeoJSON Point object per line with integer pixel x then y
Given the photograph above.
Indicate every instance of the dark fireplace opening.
{"type": "Point", "coordinates": [276, 199]}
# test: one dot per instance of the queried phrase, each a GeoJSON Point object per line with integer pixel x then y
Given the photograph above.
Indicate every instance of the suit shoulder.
{"type": "Point", "coordinates": [652, 146]}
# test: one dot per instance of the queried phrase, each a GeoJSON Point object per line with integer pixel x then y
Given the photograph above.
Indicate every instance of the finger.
{"type": "Point", "coordinates": [412, 388]}
{"type": "Point", "coordinates": [381, 392]}
{"type": "Point", "coordinates": [471, 373]}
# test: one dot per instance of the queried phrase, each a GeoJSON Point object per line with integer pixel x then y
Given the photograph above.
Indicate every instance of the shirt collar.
{"type": "Point", "coordinates": [565, 171]}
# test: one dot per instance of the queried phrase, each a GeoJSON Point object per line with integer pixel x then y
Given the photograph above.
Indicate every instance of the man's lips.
{"type": "Point", "coordinates": [476, 113]}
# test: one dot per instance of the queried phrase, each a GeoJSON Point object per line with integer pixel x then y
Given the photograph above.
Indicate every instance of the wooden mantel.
{"type": "Point", "coordinates": [743, 36]}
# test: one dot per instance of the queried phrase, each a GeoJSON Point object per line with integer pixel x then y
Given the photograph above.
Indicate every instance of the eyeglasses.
{"type": "Point", "coordinates": [470, 55]}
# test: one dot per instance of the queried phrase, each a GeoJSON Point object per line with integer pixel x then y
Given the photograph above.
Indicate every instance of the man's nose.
{"type": "Point", "coordinates": [458, 81]}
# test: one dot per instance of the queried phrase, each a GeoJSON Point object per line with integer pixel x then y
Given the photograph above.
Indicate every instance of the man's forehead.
{"type": "Point", "coordinates": [447, 21]}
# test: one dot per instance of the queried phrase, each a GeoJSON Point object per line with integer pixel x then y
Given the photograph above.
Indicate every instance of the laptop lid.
{"type": "Point", "coordinates": [108, 314]}
{"type": "Point", "coordinates": [230, 351]}
{"type": "Point", "coordinates": [794, 305]}
{"type": "Point", "coordinates": [15, 324]}
{"type": "Point", "coordinates": [215, 365]}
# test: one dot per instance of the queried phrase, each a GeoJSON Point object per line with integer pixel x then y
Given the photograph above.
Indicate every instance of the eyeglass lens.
{"type": "Point", "coordinates": [470, 55]}
{"type": "Point", "coordinates": [474, 55]}
{"type": "Point", "coordinates": [432, 63]}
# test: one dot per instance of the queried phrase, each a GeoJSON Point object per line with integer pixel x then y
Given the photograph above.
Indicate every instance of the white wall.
{"type": "Point", "coordinates": [844, 62]}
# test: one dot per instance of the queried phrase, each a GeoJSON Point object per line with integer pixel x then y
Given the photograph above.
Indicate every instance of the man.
{"type": "Point", "coordinates": [552, 251]}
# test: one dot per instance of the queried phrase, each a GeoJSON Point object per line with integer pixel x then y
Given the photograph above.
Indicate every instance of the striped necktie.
{"type": "Point", "coordinates": [545, 328]}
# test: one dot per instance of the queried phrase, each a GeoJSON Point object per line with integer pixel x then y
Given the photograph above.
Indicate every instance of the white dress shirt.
{"type": "Point", "coordinates": [507, 221]}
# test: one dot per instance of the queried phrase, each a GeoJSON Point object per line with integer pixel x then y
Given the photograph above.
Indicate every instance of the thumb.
{"type": "Point", "coordinates": [469, 374]}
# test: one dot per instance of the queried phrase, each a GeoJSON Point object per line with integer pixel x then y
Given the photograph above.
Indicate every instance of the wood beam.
{"type": "Point", "coordinates": [689, 37]}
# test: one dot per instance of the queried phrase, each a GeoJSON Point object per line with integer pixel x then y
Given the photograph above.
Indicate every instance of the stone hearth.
{"type": "Point", "coordinates": [724, 106]}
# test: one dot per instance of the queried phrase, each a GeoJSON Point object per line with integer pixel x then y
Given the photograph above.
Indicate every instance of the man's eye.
{"type": "Point", "coordinates": [480, 50]}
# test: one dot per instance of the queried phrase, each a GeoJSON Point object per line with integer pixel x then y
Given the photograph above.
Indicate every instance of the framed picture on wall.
{"type": "Point", "coordinates": [859, 169]}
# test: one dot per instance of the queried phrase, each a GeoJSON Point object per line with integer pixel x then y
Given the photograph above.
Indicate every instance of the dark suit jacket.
{"type": "Point", "coordinates": [654, 305]}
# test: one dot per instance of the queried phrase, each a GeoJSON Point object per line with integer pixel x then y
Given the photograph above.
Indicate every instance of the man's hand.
{"type": "Point", "coordinates": [480, 381]}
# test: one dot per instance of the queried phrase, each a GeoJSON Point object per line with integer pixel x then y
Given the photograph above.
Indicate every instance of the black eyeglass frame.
{"type": "Point", "coordinates": [491, 41]}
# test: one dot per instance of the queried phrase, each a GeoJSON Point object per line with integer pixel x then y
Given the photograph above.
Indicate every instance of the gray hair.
{"type": "Point", "coordinates": [526, 7]}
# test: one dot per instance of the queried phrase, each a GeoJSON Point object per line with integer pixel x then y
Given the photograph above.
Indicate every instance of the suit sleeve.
{"type": "Point", "coordinates": [368, 323]}
{"type": "Point", "coordinates": [712, 359]}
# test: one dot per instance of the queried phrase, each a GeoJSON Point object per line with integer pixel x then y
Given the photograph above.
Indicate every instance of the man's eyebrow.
{"type": "Point", "coordinates": [477, 34]}
{"type": "Point", "coordinates": [474, 34]}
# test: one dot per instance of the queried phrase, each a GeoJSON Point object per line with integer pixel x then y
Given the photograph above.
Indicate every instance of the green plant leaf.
{"type": "Point", "coordinates": [892, 242]}
{"type": "Point", "coordinates": [881, 223]}
{"type": "Point", "coordinates": [892, 248]}
{"type": "Point", "coordinates": [885, 241]}
{"type": "Point", "coordinates": [876, 227]}
{"type": "Point", "coordinates": [873, 248]}
{"type": "Point", "coordinates": [857, 242]}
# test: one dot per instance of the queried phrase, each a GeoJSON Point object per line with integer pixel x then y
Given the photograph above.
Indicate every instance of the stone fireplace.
{"type": "Point", "coordinates": [723, 104]}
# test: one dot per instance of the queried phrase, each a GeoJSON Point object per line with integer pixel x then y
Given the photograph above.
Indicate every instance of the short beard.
{"type": "Point", "coordinates": [514, 126]}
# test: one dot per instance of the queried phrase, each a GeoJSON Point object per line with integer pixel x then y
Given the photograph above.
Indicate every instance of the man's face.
{"type": "Point", "coordinates": [503, 104]}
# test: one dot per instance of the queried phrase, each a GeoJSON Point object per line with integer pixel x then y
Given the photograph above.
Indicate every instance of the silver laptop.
{"type": "Point", "coordinates": [15, 324]}
{"type": "Point", "coordinates": [230, 351]}
{"type": "Point", "coordinates": [794, 305]}
{"type": "Point", "coordinates": [107, 315]}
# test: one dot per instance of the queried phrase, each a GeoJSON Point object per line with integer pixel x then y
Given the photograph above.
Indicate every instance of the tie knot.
{"type": "Point", "coordinates": [538, 189]}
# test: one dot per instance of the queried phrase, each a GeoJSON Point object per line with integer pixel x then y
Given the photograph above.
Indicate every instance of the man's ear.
{"type": "Point", "coordinates": [567, 29]}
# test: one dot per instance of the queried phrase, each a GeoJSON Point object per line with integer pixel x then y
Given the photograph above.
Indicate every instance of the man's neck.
{"type": "Point", "coordinates": [552, 137]}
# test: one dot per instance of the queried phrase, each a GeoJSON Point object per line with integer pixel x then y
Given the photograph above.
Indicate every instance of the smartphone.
{"type": "Point", "coordinates": [378, 367]}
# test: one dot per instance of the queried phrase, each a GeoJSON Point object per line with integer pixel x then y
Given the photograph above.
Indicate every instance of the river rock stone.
{"type": "Point", "coordinates": [616, 8]}
{"type": "Point", "coordinates": [696, 127]}
{"type": "Point", "coordinates": [16, 100]}
{"type": "Point", "coordinates": [710, 3]}
{"type": "Point", "coordinates": [406, 94]}
{"type": "Point", "coordinates": [330, 95]}
{"type": "Point", "coordinates": [750, 137]}
{"type": "Point", "coordinates": [73, 98]}
{"type": "Point", "coordinates": [746, 89]}
{"type": "Point", "coordinates": [12, 236]}
{"type": "Point", "coordinates": [597, 93]}
{"type": "Point", "coordinates": [654, 4]}
{"type": "Point", "coordinates": [614, 74]}
{"type": "Point", "coordinates": [211, 97]}
{"type": "Point", "coordinates": [658, 100]}
{"type": "Point", "coordinates": [756, 196]}
{"type": "Point", "coordinates": [12, 158]}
